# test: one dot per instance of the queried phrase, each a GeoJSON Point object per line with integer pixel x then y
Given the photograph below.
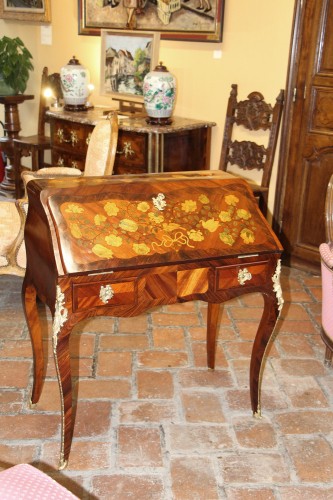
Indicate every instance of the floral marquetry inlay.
{"type": "Point", "coordinates": [126, 228]}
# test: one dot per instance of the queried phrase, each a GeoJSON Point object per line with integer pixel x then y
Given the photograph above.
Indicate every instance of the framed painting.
{"type": "Point", "coordinates": [190, 20]}
{"type": "Point", "coordinates": [26, 10]}
{"type": "Point", "coordinates": [126, 58]}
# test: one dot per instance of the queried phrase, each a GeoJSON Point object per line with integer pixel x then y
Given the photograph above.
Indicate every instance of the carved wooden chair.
{"type": "Point", "coordinates": [35, 145]}
{"type": "Point", "coordinates": [100, 160]}
{"type": "Point", "coordinates": [326, 254]}
{"type": "Point", "coordinates": [256, 115]}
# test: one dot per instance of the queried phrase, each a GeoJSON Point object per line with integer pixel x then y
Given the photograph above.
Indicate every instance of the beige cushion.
{"type": "Point", "coordinates": [50, 173]}
{"type": "Point", "coordinates": [12, 254]}
{"type": "Point", "coordinates": [99, 150]}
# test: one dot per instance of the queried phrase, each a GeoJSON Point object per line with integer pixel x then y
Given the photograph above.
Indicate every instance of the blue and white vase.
{"type": "Point", "coordinates": [159, 94]}
{"type": "Point", "coordinates": [75, 81]}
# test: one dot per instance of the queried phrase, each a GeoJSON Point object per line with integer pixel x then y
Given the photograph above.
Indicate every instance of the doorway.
{"type": "Point", "coordinates": [306, 154]}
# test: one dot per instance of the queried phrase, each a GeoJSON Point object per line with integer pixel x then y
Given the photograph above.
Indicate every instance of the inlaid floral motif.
{"type": "Point", "coordinates": [125, 228]}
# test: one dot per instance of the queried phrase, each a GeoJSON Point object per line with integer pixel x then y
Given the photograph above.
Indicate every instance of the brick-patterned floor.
{"type": "Point", "coordinates": [153, 423]}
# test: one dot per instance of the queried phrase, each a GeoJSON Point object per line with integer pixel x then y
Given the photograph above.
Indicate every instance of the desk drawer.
{"type": "Point", "coordinates": [63, 159]}
{"type": "Point", "coordinates": [244, 274]}
{"type": "Point", "coordinates": [131, 150]}
{"type": "Point", "coordinates": [70, 136]}
{"type": "Point", "coordinates": [104, 293]}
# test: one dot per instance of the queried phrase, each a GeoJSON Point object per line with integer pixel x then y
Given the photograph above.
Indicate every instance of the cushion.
{"type": "Point", "coordinates": [327, 289]}
{"type": "Point", "coordinates": [326, 254]}
{"type": "Point", "coordinates": [25, 482]}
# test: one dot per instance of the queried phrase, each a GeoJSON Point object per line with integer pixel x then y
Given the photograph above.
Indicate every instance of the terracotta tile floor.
{"type": "Point", "coordinates": [153, 423]}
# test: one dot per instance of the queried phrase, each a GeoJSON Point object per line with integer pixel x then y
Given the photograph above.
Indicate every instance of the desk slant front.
{"type": "Point", "coordinates": [119, 246]}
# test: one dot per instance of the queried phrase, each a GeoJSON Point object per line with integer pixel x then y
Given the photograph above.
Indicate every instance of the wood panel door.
{"type": "Point", "coordinates": [306, 160]}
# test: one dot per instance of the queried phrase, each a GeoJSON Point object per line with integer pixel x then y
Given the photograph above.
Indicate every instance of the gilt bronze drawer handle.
{"type": "Point", "coordinates": [61, 163]}
{"type": "Point", "coordinates": [243, 275]}
{"type": "Point", "coordinates": [73, 137]}
{"type": "Point", "coordinates": [127, 150]}
{"type": "Point", "coordinates": [106, 293]}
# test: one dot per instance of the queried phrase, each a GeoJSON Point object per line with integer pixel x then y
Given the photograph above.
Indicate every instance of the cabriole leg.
{"type": "Point", "coordinates": [62, 328]}
{"type": "Point", "coordinates": [29, 300]}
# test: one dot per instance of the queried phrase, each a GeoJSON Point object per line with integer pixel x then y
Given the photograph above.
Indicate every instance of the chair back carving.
{"type": "Point", "coordinates": [253, 114]}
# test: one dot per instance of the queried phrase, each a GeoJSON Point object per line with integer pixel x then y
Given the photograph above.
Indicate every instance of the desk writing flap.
{"type": "Point", "coordinates": [165, 219]}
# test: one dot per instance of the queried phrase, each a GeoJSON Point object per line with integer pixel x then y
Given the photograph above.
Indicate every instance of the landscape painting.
{"type": "Point", "coordinates": [126, 58]}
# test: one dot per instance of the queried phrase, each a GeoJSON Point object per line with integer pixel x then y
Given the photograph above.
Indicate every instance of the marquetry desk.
{"type": "Point", "coordinates": [118, 246]}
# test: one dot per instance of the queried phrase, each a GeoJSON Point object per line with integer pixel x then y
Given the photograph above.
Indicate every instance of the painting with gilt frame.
{"type": "Point", "coordinates": [188, 20]}
{"type": "Point", "coordinates": [26, 10]}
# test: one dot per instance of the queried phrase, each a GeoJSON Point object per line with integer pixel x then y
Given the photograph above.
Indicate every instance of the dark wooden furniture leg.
{"type": "Point", "coordinates": [213, 313]}
{"type": "Point", "coordinates": [262, 338]}
{"type": "Point", "coordinates": [17, 174]}
{"type": "Point", "coordinates": [60, 341]}
{"type": "Point", "coordinates": [62, 360]}
{"type": "Point", "coordinates": [29, 297]}
{"type": "Point", "coordinates": [12, 128]}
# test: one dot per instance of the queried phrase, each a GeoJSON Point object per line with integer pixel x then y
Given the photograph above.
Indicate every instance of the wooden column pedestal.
{"type": "Point", "coordinates": [12, 129]}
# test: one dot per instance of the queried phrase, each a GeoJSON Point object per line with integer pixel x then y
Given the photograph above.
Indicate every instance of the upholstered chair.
{"type": "Point", "coordinates": [100, 159]}
{"type": "Point", "coordinates": [100, 156]}
{"type": "Point", "coordinates": [326, 255]}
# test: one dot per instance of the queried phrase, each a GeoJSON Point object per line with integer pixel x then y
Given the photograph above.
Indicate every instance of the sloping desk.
{"type": "Point", "coordinates": [118, 246]}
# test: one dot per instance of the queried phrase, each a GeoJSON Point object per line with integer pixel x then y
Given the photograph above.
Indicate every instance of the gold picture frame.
{"type": "Point", "coordinates": [183, 20]}
{"type": "Point", "coordinates": [38, 11]}
{"type": "Point", "coordinates": [126, 57]}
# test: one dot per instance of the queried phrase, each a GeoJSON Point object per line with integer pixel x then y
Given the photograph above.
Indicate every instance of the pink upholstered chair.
{"type": "Point", "coordinates": [25, 482]}
{"type": "Point", "coordinates": [326, 254]}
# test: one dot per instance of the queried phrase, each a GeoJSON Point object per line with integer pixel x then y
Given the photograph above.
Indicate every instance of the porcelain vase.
{"type": "Point", "coordinates": [75, 81]}
{"type": "Point", "coordinates": [159, 93]}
